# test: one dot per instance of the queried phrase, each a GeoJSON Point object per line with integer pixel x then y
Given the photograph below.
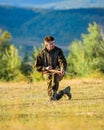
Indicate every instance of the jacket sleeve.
{"type": "Point", "coordinates": [62, 61]}
{"type": "Point", "coordinates": [39, 63]}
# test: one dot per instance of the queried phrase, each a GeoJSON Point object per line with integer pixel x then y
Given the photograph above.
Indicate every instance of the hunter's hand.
{"type": "Point", "coordinates": [61, 73]}
{"type": "Point", "coordinates": [48, 68]}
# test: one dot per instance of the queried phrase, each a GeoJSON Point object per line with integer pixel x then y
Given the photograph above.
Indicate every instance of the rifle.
{"type": "Point", "coordinates": [51, 71]}
{"type": "Point", "coordinates": [55, 71]}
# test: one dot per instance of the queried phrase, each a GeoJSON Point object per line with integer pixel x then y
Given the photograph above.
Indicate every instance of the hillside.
{"type": "Point", "coordinates": [29, 26]}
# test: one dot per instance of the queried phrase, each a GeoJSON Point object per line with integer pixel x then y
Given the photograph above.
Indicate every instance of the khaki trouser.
{"type": "Point", "coordinates": [52, 83]}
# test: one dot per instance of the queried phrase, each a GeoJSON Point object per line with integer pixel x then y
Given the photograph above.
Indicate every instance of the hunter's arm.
{"type": "Point", "coordinates": [39, 64]}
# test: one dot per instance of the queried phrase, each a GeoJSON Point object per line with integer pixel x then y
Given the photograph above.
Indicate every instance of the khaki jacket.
{"type": "Point", "coordinates": [54, 58]}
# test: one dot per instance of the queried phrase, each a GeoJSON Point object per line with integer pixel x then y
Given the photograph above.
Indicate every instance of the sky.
{"type": "Point", "coordinates": [38, 2]}
{"type": "Point", "coordinates": [55, 4]}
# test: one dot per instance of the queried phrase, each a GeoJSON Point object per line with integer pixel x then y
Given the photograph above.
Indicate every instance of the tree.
{"type": "Point", "coordinates": [26, 67]}
{"type": "Point", "coordinates": [100, 64]}
{"type": "Point", "coordinates": [84, 57]}
{"type": "Point", "coordinates": [9, 58]}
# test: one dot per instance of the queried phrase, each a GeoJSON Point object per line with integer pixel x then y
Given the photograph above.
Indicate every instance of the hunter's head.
{"type": "Point", "coordinates": [49, 43]}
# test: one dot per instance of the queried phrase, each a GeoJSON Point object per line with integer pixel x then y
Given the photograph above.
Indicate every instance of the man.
{"type": "Point", "coordinates": [50, 58]}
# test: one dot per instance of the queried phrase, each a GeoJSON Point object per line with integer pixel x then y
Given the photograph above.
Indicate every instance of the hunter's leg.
{"type": "Point", "coordinates": [55, 83]}
{"type": "Point", "coordinates": [49, 85]}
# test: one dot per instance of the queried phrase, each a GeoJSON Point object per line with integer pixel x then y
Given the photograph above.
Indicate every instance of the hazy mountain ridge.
{"type": "Point", "coordinates": [55, 4]}
{"type": "Point", "coordinates": [29, 26]}
{"type": "Point", "coordinates": [70, 4]}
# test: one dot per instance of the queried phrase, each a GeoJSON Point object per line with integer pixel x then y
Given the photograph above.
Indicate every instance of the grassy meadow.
{"type": "Point", "coordinates": [26, 106]}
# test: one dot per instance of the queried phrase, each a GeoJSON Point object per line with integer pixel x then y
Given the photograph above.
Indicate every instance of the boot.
{"type": "Point", "coordinates": [53, 98]}
{"type": "Point", "coordinates": [67, 92]}
{"type": "Point", "coordinates": [57, 96]}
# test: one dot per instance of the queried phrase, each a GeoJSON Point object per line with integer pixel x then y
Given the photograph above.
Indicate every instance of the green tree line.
{"type": "Point", "coordinates": [85, 57]}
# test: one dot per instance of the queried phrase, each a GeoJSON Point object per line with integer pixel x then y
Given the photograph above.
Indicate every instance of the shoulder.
{"type": "Point", "coordinates": [42, 51]}
{"type": "Point", "coordinates": [58, 48]}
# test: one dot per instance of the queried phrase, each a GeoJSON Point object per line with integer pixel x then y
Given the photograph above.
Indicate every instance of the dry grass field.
{"type": "Point", "coordinates": [26, 106]}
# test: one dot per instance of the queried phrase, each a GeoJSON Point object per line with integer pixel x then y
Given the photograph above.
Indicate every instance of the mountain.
{"type": "Point", "coordinates": [55, 4]}
{"type": "Point", "coordinates": [70, 4]}
{"type": "Point", "coordinates": [29, 26]}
